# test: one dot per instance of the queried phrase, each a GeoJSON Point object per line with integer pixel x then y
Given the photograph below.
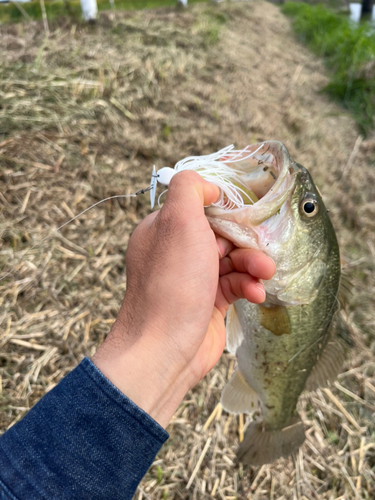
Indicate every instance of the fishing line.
{"type": "Point", "coordinates": [133, 195]}
{"type": "Point", "coordinates": [213, 168]}
{"type": "Point", "coordinates": [160, 195]}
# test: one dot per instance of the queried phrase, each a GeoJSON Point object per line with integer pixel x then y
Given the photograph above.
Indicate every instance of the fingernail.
{"type": "Point", "coordinates": [273, 262]}
{"type": "Point", "coordinates": [224, 246]}
{"type": "Point", "coordinates": [261, 288]}
{"type": "Point", "coordinates": [271, 259]}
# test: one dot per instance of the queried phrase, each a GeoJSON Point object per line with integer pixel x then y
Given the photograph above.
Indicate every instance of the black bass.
{"type": "Point", "coordinates": [287, 344]}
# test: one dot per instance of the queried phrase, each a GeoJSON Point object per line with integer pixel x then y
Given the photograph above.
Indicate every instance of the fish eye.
{"type": "Point", "coordinates": [309, 207]}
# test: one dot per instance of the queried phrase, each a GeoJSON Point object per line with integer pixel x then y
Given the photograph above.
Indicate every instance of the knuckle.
{"type": "Point", "coordinates": [170, 220]}
{"type": "Point", "coordinates": [184, 177]}
{"type": "Point", "coordinates": [227, 288]}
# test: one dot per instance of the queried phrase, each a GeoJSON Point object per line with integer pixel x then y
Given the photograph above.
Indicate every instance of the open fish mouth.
{"type": "Point", "coordinates": [264, 175]}
{"type": "Point", "coordinates": [255, 183]}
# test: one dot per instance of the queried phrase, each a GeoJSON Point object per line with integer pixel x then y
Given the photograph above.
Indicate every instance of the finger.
{"type": "Point", "coordinates": [188, 189]}
{"type": "Point", "coordinates": [149, 220]}
{"type": "Point", "coordinates": [236, 286]}
{"type": "Point", "coordinates": [225, 266]}
{"type": "Point", "coordinates": [144, 226]}
{"type": "Point", "coordinates": [253, 262]}
{"type": "Point", "coordinates": [224, 246]}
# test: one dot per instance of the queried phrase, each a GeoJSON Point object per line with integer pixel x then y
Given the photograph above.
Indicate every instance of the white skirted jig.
{"type": "Point", "coordinates": [214, 168]}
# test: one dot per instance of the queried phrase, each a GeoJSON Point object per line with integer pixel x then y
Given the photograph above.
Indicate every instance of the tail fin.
{"type": "Point", "coordinates": [262, 446]}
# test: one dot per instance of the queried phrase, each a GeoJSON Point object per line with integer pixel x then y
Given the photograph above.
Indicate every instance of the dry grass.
{"type": "Point", "coordinates": [83, 116]}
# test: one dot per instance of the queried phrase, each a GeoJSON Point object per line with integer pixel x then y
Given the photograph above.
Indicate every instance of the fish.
{"type": "Point", "coordinates": [289, 343]}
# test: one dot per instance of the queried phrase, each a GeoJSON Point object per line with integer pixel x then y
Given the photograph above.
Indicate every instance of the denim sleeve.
{"type": "Point", "coordinates": [83, 440]}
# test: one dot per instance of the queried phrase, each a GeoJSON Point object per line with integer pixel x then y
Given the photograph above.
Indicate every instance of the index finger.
{"type": "Point", "coordinates": [250, 261]}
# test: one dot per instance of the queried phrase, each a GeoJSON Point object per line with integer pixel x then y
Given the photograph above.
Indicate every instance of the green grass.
{"type": "Point", "coordinates": [54, 9]}
{"type": "Point", "coordinates": [349, 53]}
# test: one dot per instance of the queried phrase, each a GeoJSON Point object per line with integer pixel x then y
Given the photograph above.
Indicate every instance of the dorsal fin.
{"type": "Point", "coordinates": [345, 290]}
{"type": "Point", "coordinates": [327, 367]}
{"type": "Point", "coordinates": [332, 358]}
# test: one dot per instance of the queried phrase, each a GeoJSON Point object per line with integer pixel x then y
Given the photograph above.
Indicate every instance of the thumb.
{"type": "Point", "coordinates": [188, 190]}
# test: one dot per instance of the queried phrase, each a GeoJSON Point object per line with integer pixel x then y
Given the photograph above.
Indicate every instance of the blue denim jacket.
{"type": "Point", "coordinates": [83, 440]}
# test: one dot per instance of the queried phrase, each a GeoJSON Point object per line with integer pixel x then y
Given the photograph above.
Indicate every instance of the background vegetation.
{"type": "Point", "coordinates": [349, 53]}
{"type": "Point", "coordinates": [54, 9]}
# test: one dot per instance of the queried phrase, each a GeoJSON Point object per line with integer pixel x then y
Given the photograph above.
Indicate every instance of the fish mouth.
{"type": "Point", "coordinates": [264, 174]}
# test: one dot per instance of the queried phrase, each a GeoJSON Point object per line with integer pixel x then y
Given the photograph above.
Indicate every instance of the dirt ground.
{"type": "Point", "coordinates": [84, 115]}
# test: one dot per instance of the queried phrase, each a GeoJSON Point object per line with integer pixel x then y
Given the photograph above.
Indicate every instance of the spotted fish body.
{"type": "Point", "coordinates": [287, 343]}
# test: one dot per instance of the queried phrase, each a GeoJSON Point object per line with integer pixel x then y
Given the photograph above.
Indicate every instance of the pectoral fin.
{"type": "Point", "coordinates": [234, 330]}
{"type": "Point", "coordinates": [274, 318]}
{"type": "Point", "coordinates": [238, 396]}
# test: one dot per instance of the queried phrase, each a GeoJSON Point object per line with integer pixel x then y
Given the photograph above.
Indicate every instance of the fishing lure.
{"type": "Point", "coordinates": [213, 168]}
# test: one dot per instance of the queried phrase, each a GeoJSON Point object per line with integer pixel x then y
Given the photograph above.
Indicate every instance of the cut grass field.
{"type": "Point", "coordinates": [349, 54]}
{"type": "Point", "coordinates": [84, 115]}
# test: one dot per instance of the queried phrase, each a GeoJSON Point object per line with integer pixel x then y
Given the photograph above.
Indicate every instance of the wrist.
{"type": "Point", "coordinates": [144, 372]}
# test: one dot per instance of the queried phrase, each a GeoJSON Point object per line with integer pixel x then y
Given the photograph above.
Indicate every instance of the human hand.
{"type": "Point", "coordinates": [181, 279]}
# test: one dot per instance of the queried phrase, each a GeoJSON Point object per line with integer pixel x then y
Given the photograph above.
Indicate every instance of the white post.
{"type": "Point", "coordinates": [89, 9]}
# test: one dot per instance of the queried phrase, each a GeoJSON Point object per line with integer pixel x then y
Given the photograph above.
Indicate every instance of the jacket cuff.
{"type": "Point", "coordinates": [83, 440]}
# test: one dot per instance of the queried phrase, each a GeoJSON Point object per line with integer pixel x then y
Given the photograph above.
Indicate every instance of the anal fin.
{"type": "Point", "coordinates": [238, 396]}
